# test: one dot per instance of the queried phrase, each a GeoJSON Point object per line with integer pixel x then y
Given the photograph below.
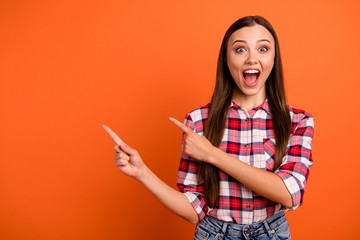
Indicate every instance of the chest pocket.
{"type": "Point", "coordinates": [269, 152]}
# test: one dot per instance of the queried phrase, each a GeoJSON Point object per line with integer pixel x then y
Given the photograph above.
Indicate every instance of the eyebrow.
{"type": "Point", "coordinates": [243, 41]}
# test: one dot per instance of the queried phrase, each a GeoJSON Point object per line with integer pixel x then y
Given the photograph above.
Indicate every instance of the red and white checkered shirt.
{"type": "Point", "coordinates": [249, 137]}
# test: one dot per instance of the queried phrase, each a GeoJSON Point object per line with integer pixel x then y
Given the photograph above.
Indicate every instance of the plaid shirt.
{"type": "Point", "coordinates": [249, 137]}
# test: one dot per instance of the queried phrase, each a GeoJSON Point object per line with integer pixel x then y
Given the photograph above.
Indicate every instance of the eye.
{"type": "Point", "coordinates": [240, 49]}
{"type": "Point", "coordinates": [263, 49]}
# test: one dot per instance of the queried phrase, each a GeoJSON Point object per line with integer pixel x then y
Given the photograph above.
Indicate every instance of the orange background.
{"type": "Point", "coordinates": [67, 67]}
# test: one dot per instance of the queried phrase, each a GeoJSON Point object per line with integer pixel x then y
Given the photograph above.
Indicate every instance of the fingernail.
{"type": "Point", "coordinates": [171, 119]}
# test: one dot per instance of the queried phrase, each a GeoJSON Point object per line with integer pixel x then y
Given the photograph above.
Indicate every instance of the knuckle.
{"type": "Point", "coordinates": [116, 148]}
{"type": "Point", "coordinates": [123, 162]}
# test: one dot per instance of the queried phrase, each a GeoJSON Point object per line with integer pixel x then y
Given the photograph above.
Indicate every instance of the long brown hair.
{"type": "Point", "coordinates": [221, 102]}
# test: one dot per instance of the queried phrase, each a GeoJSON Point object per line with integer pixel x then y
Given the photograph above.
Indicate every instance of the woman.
{"type": "Point", "coordinates": [246, 155]}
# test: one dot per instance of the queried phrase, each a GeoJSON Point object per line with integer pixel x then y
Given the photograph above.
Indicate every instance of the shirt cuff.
{"type": "Point", "coordinates": [198, 203]}
{"type": "Point", "coordinates": [294, 187]}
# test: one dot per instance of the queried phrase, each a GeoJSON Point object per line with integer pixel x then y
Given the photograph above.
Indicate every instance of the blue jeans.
{"type": "Point", "coordinates": [275, 227]}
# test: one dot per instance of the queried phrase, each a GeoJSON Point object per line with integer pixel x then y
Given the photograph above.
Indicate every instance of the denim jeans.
{"type": "Point", "coordinates": [275, 227]}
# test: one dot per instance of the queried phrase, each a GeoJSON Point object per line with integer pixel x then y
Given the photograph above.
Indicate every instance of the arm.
{"type": "Point", "coordinates": [297, 161]}
{"type": "Point", "coordinates": [174, 200]}
{"type": "Point", "coordinates": [130, 163]}
{"type": "Point", "coordinates": [285, 186]}
{"type": "Point", "coordinates": [264, 183]}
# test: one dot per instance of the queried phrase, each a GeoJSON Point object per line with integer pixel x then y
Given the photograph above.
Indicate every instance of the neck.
{"type": "Point", "coordinates": [249, 102]}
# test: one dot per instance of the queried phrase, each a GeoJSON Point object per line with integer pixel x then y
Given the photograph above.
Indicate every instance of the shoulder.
{"type": "Point", "coordinates": [300, 118]}
{"type": "Point", "coordinates": [196, 119]}
{"type": "Point", "coordinates": [198, 113]}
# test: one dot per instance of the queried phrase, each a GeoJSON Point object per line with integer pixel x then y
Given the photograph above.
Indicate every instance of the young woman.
{"type": "Point", "coordinates": [246, 155]}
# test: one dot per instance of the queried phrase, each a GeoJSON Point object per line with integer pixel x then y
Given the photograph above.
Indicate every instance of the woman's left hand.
{"type": "Point", "coordinates": [195, 145]}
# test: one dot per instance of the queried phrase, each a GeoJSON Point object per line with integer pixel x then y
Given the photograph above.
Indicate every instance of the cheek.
{"type": "Point", "coordinates": [268, 65]}
{"type": "Point", "coordinates": [235, 69]}
{"type": "Point", "coordinates": [235, 73]}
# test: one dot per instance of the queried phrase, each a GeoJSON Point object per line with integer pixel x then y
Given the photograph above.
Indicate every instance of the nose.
{"type": "Point", "coordinates": [251, 58]}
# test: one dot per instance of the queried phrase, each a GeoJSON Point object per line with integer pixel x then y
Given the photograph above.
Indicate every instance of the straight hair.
{"type": "Point", "coordinates": [221, 103]}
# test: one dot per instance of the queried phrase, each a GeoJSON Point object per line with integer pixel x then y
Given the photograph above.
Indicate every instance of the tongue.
{"type": "Point", "coordinates": [250, 78]}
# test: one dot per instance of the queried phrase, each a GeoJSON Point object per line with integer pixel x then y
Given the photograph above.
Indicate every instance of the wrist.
{"type": "Point", "coordinates": [212, 155]}
{"type": "Point", "coordinates": [143, 174]}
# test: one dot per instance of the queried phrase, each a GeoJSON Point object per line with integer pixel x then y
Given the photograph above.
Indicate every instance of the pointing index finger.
{"type": "Point", "coordinates": [180, 125]}
{"type": "Point", "coordinates": [113, 135]}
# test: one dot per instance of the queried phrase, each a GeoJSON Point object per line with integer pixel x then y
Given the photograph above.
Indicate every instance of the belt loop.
{"type": "Point", "coordinates": [224, 227]}
{"type": "Point", "coordinates": [268, 229]}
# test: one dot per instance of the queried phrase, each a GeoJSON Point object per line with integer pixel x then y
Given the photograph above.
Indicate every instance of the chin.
{"type": "Point", "coordinates": [251, 92]}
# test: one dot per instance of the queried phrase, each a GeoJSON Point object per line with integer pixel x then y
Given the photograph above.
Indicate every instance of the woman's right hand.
{"type": "Point", "coordinates": [129, 162]}
{"type": "Point", "coordinates": [127, 159]}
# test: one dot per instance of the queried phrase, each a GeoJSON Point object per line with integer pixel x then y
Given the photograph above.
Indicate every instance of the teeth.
{"type": "Point", "coordinates": [251, 71]}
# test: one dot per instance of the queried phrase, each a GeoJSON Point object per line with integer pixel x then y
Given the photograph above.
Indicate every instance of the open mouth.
{"type": "Point", "coordinates": [251, 77]}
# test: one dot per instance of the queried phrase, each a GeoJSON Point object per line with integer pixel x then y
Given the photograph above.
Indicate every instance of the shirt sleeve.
{"type": "Point", "coordinates": [187, 181]}
{"type": "Point", "coordinates": [294, 169]}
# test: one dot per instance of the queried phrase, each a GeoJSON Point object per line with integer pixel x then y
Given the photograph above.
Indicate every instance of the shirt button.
{"type": "Point", "coordinates": [246, 145]}
{"type": "Point", "coordinates": [248, 206]}
{"type": "Point", "coordinates": [247, 119]}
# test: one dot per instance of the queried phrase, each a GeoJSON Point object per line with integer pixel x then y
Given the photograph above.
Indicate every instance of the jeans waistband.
{"type": "Point", "coordinates": [232, 229]}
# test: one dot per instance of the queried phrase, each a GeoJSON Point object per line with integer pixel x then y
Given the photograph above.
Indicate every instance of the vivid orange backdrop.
{"type": "Point", "coordinates": [67, 67]}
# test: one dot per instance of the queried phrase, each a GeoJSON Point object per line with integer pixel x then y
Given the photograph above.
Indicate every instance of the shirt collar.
{"type": "Point", "coordinates": [264, 106]}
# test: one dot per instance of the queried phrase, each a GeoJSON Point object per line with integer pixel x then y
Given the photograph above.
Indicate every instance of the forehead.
{"type": "Point", "coordinates": [251, 34]}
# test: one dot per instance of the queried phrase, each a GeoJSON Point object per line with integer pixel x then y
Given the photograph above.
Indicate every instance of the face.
{"type": "Point", "coordinates": [250, 58]}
